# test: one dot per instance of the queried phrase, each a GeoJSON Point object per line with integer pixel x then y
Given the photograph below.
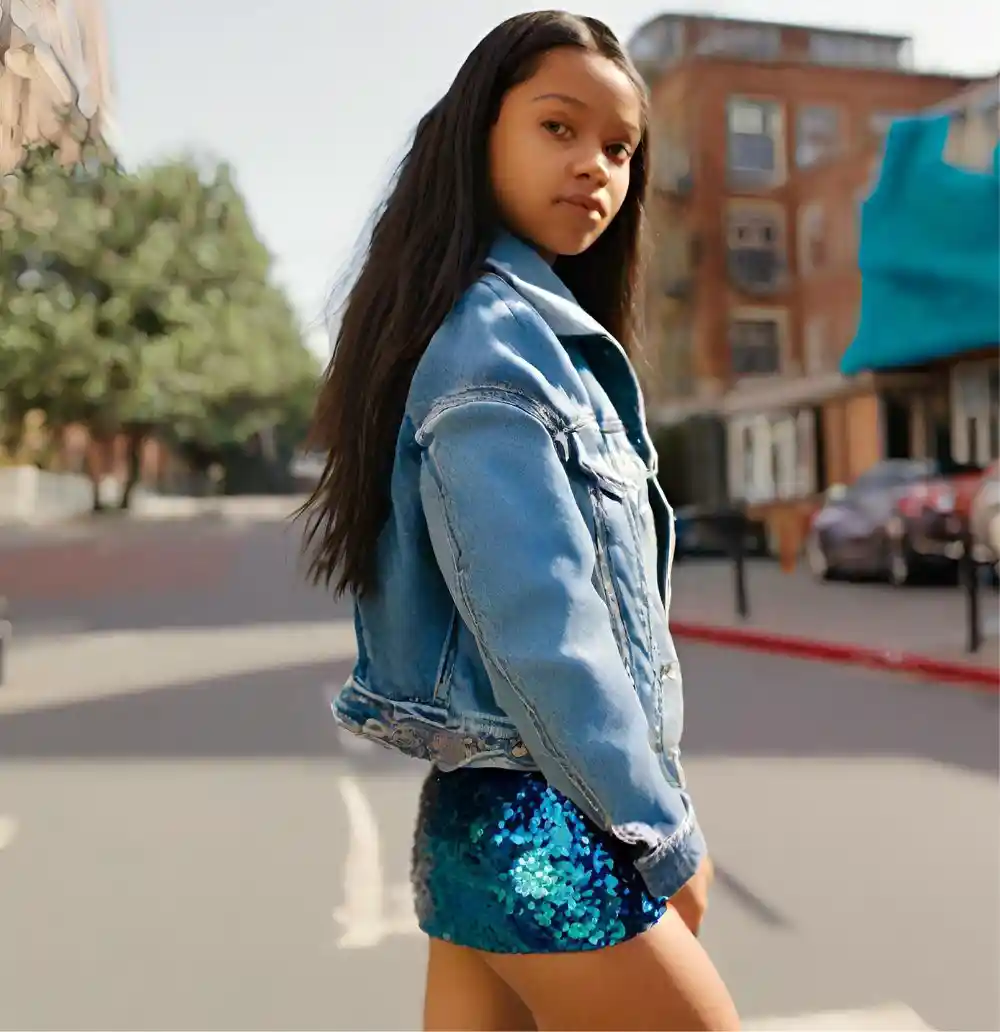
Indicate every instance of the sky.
{"type": "Point", "coordinates": [313, 106]}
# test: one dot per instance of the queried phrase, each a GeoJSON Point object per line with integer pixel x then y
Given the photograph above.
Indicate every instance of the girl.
{"type": "Point", "coordinates": [490, 502]}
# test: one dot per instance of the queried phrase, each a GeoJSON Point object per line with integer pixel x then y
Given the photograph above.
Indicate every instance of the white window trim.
{"type": "Point", "coordinates": [970, 400]}
{"type": "Point", "coordinates": [787, 436]}
{"type": "Point", "coordinates": [812, 222]}
{"type": "Point", "coordinates": [824, 147]}
{"type": "Point", "coordinates": [817, 346]}
{"type": "Point", "coordinates": [772, 120]}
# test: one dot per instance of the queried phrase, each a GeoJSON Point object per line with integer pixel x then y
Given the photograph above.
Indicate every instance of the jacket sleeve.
{"type": "Point", "coordinates": [519, 561]}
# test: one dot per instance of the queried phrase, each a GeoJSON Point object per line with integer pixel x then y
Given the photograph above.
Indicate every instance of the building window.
{"type": "Point", "coordinates": [880, 122]}
{"type": "Point", "coordinates": [817, 345]}
{"type": "Point", "coordinates": [760, 42]}
{"type": "Point", "coordinates": [832, 48]}
{"type": "Point", "coordinates": [973, 138]}
{"type": "Point", "coordinates": [661, 43]}
{"type": "Point", "coordinates": [755, 347]}
{"type": "Point", "coordinates": [756, 249]}
{"type": "Point", "coordinates": [671, 161]}
{"type": "Point", "coordinates": [676, 361]}
{"type": "Point", "coordinates": [812, 238]}
{"type": "Point", "coordinates": [994, 412]}
{"type": "Point", "coordinates": [817, 135]}
{"type": "Point", "coordinates": [754, 143]}
{"type": "Point", "coordinates": [975, 410]}
{"type": "Point", "coordinates": [805, 453]}
{"type": "Point", "coordinates": [675, 261]}
{"type": "Point", "coordinates": [772, 457]}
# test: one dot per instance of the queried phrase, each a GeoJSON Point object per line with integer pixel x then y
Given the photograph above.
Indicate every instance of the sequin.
{"type": "Point", "coordinates": [505, 863]}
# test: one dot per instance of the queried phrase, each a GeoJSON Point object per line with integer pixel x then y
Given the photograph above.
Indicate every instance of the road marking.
{"type": "Point", "coordinates": [8, 829]}
{"type": "Point", "coordinates": [364, 918]}
{"type": "Point", "coordinates": [892, 1017]}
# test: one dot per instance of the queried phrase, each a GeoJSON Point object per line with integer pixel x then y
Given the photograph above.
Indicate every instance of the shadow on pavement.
{"type": "Point", "coordinates": [274, 714]}
{"type": "Point", "coordinates": [738, 704]}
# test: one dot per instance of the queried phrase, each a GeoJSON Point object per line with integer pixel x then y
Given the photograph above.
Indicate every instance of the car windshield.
{"type": "Point", "coordinates": [894, 473]}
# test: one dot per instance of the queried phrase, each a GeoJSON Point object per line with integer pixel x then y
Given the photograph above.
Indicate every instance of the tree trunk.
{"type": "Point", "coordinates": [94, 465]}
{"type": "Point", "coordinates": [95, 484]}
{"type": "Point", "coordinates": [136, 437]}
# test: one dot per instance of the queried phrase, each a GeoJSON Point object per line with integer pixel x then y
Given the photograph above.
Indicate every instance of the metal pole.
{"type": "Point", "coordinates": [739, 524]}
{"type": "Point", "coordinates": [5, 632]}
{"type": "Point", "coordinates": [969, 573]}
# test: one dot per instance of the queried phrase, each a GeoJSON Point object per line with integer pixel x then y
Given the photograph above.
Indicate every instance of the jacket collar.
{"type": "Point", "coordinates": [534, 279]}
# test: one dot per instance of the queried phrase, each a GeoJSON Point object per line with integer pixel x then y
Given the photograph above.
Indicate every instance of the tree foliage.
{"type": "Point", "coordinates": [134, 302]}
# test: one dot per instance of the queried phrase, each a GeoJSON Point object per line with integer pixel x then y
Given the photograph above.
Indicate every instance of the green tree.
{"type": "Point", "coordinates": [139, 303]}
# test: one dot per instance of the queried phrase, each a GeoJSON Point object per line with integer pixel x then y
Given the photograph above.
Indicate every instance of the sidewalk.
{"type": "Point", "coordinates": [151, 512]}
{"type": "Point", "coordinates": [919, 630]}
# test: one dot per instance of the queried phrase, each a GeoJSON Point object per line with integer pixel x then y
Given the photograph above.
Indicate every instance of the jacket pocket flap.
{"type": "Point", "coordinates": [589, 453]}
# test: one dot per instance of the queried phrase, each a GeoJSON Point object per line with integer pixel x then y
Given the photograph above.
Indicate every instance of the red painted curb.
{"type": "Point", "coordinates": [969, 674]}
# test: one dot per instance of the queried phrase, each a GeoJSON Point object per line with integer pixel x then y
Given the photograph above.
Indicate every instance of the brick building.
{"type": "Point", "coordinates": [54, 72]}
{"type": "Point", "coordinates": [747, 120]}
{"type": "Point", "coordinates": [54, 78]}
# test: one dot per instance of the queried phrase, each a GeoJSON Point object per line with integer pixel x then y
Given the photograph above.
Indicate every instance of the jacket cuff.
{"type": "Point", "coordinates": [674, 861]}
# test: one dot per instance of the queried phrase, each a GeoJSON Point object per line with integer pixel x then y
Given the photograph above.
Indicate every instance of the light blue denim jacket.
{"type": "Point", "coordinates": [524, 572]}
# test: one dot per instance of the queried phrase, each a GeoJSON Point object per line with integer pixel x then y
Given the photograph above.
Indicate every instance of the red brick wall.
{"type": "Point", "coordinates": [690, 103]}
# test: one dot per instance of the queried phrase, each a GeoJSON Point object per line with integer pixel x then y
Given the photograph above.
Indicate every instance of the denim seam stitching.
{"type": "Point", "coordinates": [455, 549]}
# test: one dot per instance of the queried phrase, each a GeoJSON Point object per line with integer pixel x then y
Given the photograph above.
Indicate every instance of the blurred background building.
{"type": "Point", "coordinates": [54, 74]}
{"type": "Point", "coordinates": [767, 140]}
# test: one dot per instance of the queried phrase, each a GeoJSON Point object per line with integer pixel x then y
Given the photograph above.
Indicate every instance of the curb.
{"type": "Point", "coordinates": [971, 675]}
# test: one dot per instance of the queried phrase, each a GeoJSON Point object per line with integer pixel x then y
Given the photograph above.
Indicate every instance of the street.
{"type": "Point", "coordinates": [187, 842]}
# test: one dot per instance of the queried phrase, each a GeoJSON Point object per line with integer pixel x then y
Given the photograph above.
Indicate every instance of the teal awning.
{"type": "Point", "coordinates": [929, 255]}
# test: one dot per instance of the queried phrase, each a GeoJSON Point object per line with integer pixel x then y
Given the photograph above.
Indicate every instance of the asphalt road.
{"type": "Point", "coordinates": [186, 842]}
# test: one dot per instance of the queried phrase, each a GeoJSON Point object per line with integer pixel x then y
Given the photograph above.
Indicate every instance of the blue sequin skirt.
{"type": "Point", "coordinates": [503, 862]}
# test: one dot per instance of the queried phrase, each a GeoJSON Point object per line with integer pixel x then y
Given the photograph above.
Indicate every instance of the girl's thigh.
{"type": "Point", "coordinates": [661, 980]}
{"type": "Point", "coordinates": [464, 994]}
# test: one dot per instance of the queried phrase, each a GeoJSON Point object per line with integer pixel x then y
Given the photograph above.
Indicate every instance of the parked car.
{"type": "Point", "coordinates": [899, 520]}
{"type": "Point", "coordinates": [984, 516]}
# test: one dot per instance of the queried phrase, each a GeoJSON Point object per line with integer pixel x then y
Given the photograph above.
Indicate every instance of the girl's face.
{"type": "Point", "coordinates": [560, 150]}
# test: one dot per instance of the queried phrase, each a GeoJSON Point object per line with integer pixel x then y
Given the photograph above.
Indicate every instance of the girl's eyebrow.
{"type": "Point", "coordinates": [565, 98]}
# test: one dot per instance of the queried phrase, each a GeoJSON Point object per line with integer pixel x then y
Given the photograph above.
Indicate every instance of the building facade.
{"type": "Point", "coordinates": [754, 287]}
{"type": "Point", "coordinates": [54, 74]}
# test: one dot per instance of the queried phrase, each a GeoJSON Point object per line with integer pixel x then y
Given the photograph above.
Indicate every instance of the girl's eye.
{"type": "Point", "coordinates": [556, 128]}
{"type": "Point", "coordinates": [620, 151]}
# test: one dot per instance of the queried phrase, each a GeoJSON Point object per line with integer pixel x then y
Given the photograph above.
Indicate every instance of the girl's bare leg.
{"type": "Point", "coordinates": [661, 980]}
{"type": "Point", "coordinates": [465, 995]}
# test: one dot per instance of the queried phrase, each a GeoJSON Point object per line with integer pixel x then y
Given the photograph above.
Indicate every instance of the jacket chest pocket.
{"type": "Point", "coordinates": [616, 483]}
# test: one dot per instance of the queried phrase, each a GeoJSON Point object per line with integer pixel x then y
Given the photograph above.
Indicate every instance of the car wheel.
{"type": "Point", "coordinates": [819, 564]}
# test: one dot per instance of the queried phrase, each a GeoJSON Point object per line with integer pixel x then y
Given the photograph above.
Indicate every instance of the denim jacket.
{"type": "Point", "coordinates": [524, 572]}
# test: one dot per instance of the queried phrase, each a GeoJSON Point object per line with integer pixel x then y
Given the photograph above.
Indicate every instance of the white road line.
{"type": "Point", "coordinates": [892, 1017]}
{"type": "Point", "coordinates": [363, 916]}
{"type": "Point", "coordinates": [8, 829]}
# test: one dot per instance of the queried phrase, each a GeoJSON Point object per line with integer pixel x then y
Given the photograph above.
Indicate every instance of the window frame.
{"type": "Point", "coordinates": [736, 322]}
{"type": "Point", "coordinates": [772, 117]}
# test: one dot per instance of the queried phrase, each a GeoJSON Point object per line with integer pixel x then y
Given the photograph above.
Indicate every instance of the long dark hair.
{"type": "Point", "coordinates": [428, 245]}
